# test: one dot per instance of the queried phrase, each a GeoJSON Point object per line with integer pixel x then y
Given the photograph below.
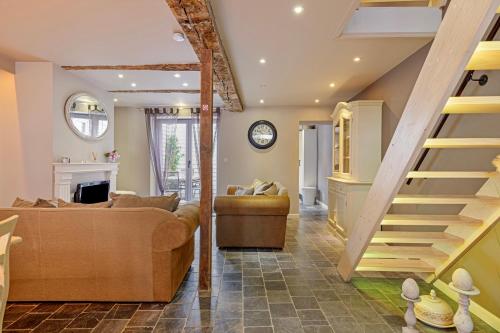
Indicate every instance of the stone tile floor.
{"type": "Point", "coordinates": [254, 291]}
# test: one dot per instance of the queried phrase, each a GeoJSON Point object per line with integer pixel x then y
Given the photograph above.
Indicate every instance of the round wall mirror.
{"type": "Point", "coordinates": [86, 116]}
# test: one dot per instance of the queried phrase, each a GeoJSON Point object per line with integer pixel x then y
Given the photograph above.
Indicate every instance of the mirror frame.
{"type": "Point", "coordinates": [67, 109]}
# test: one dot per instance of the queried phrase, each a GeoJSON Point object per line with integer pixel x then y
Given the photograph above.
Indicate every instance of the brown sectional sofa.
{"type": "Point", "coordinates": [251, 220]}
{"type": "Point", "coordinates": [101, 254]}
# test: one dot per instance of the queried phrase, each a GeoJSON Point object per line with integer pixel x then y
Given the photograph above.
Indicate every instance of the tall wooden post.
{"type": "Point", "coordinates": [206, 140]}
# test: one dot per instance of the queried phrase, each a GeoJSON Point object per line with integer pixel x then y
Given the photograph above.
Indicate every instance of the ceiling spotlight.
{"type": "Point", "coordinates": [357, 59]}
{"type": "Point", "coordinates": [179, 37]}
{"type": "Point", "coordinates": [120, 76]}
{"type": "Point", "coordinates": [332, 85]}
{"type": "Point", "coordinates": [298, 9]}
{"type": "Point", "coordinates": [133, 84]}
{"type": "Point", "coordinates": [115, 100]}
{"type": "Point", "coordinates": [261, 101]}
{"type": "Point", "coordinates": [185, 84]}
{"type": "Point", "coordinates": [177, 75]}
{"type": "Point", "coordinates": [316, 101]}
{"type": "Point", "coordinates": [262, 61]}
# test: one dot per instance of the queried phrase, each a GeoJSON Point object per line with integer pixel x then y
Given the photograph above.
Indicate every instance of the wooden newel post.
{"type": "Point", "coordinates": [206, 141]}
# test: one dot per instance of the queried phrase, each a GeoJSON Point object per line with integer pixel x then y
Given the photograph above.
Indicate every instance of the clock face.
{"type": "Point", "coordinates": [262, 134]}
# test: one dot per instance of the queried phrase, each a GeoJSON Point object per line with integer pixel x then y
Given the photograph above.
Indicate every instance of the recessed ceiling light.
{"type": "Point", "coordinates": [179, 37]}
{"type": "Point", "coordinates": [262, 61]}
{"type": "Point", "coordinates": [133, 84]}
{"type": "Point", "coordinates": [261, 101]}
{"type": "Point", "coordinates": [357, 59]}
{"type": "Point", "coordinates": [177, 75]}
{"type": "Point", "coordinates": [115, 100]}
{"type": "Point", "coordinates": [185, 84]}
{"type": "Point", "coordinates": [298, 9]}
{"type": "Point", "coordinates": [332, 85]}
{"type": "Point", "coordinates": [120, 76]}
{"type": "Point", "coordinates": [316, 101]}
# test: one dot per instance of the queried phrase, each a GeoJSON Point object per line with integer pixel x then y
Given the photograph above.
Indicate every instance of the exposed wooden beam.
{"type": "Point", "coordinates": [436, 82]}
{"type": "Point", "coordinates": [206, 139]}
{"type": "Point", "coordinates": [198, 23]}
{"type": "Point", "coordinates": [159, 91]}
{"type": "Point", "coordinates": [153, 67]}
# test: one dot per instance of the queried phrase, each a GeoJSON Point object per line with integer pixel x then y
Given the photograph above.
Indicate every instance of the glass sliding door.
{"type": "Point", "coordinates": [181, 150]}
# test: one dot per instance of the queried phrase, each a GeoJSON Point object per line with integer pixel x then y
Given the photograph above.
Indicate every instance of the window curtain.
{"type": "Point", "coordinates": [195, 116]}
{"type": "Point", "coordinates": [160, 162]}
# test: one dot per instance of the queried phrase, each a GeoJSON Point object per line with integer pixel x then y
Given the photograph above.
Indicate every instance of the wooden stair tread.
{"type": "Point", "coordinates": [462, 143]}
{"type": "Point", "coordinates": [413, 237]}
{"type": "Point", "coordinates": [485, 57]}
{"type": "Point", "coordinates": [450, 174]}
{"type": "Point", "coordinates": [391, 265]}
{"type": "Point", "coordinates": [428, 220]}
{"type": "Point", "coordinates": [403, 252]}
{"type": "Point", "coordinates": [472, 104]}
{"type": "Point", "coordinates": [448, 199]}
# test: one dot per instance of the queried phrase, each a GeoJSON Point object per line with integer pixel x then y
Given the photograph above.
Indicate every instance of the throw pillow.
{"type": "Point", "coordinates": [257, 182]}
{"type": "Point", "coordinates": [244, 190]}
{"type": "Point", "coordinates": [21, 203]}
{"type": "Point", "coordinates": [273, 190]}
{"type": "Point", "coordinates": [44, 203]}
{"type": "Point", "coordinates": [259, 190]}
{"type": "Point", "coordinates": [129, 201]}
{"type": "Point", "coordinates": [63, 204]}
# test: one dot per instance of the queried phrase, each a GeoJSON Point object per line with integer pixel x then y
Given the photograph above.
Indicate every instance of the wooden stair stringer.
{"type": "Point", "coordinates": [489, 214]}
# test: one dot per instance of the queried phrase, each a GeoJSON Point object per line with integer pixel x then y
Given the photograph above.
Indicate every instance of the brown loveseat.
{"type": "Point", "coordinates": [101, 254]}
{"type": "Point", "coordinates": [251, 220]}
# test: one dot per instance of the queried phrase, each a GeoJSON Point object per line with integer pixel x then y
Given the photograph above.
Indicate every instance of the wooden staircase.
{"type": "Point", "coordinates": [420, 243]}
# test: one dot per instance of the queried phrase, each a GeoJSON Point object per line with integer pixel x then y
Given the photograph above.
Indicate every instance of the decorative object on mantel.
{"type": "Point", "coordinates": [461, 282]}
{"type": "Point", "coordinates": [112, 156]}
{"type": "Point", "coordinates": [411, 294]}
{"type": "Point", "coordinates": [434, 311]}
{"type": "Point", "coordinates": [65, 160]}
{"type": "Point", "coordinates": [94, 157]}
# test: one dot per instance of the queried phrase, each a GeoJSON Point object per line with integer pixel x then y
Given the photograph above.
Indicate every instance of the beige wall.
{"type": "Point", "coordinates": [394, 89]}
{"type": "Point", "coordinates": [65, 142]}
{"type": "Point", "coordinates": [7, 64]}
{"type": "Point", "coordinates": [34, 89]}
{"type": "Point", "coordinates": [240, 163]}
{"type": "Point", "coordinates": [131, 141]}
{"type": "Point", "coordinates": [10, 141]}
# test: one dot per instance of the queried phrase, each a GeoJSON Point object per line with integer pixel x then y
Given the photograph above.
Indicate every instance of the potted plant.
{"type": "Point", "coordinates": [112, 156]}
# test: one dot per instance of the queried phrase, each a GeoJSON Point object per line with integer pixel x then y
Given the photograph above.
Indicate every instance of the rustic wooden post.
{"type": "Point", "coordinates": [206, 128]}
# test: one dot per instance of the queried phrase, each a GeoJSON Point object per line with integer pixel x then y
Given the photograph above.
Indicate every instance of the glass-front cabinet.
{"type": "Point", "coordinates": [357, 151]}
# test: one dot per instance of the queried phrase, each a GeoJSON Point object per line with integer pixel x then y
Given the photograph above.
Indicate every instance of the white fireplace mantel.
{"type": "Point", "coordinates": [64, 172]}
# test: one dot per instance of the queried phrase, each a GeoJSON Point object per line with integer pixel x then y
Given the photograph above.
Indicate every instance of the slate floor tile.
{"type": "Point", "coordinates": [28, 321]}
{"type": "Point", "coordinates": [282, 310]}
{"type": "Point", "coordinates": [256, 318]}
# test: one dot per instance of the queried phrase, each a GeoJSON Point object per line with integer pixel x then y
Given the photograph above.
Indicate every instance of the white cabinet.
{"type": "Point", "coordinates": [357, 153]}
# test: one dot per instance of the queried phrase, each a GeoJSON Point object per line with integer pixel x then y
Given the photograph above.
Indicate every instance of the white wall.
{"type": "Point", "coordinates": [66, 143]}
{"type": "Point", "coordinates": [240, 163]}
{"type": "Point", "coordinates": [33, 130]}
{"type": "Point", "coordinates": [325, 143]}
{"type": "Point", "coordinates": [132, 143]}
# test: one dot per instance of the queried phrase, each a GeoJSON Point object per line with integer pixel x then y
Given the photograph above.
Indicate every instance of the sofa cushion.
{"type": "Point", "coordinates": [63, 204]}
{"type": "Point", "coordinates": [169, 203]}
{"type": "Point", "coordinates": [44, 203]}
{"type": "Point", "coordinates": [260, 189]}
{"type": "Point", "coordinates": [241, 190]}
{"type": "Point", "coordinates": [21, 203]}
{"type": "Point", "coordinates": [272, 190]}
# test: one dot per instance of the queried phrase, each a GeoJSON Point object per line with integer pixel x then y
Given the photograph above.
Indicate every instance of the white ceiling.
{"type": "Point", "coordinates": [302, 55]}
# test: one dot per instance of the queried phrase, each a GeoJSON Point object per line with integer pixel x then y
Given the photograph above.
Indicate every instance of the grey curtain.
{"type": "Point", "coordinates": [161, 164]}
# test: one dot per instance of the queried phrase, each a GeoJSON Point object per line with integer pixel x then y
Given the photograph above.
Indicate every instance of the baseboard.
{"type": "Point", "coordinates": [475, 308]}
{"type": "Point", "coordinates": [323, 205]}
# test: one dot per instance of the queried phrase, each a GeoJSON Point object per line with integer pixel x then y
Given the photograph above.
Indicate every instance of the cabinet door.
{"type": "Point", "coordinates": [346, 145]}
{"type": "Point", "coordinates": [341, 211]}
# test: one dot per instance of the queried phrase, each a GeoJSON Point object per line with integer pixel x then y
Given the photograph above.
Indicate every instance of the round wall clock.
{"type": "Point", "coordinates": [262, 134]}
